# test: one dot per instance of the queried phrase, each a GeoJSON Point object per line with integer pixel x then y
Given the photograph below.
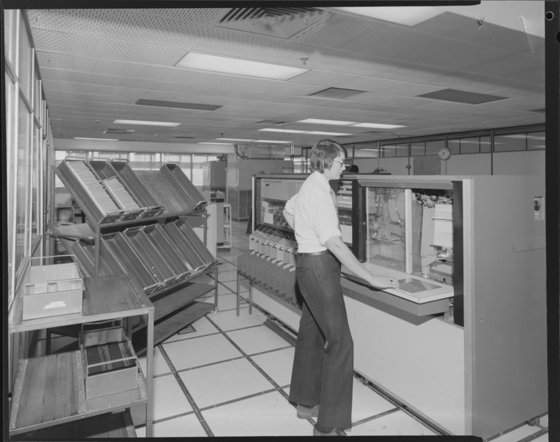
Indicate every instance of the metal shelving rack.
{"type": "Point", "coordinates": [150, 241]}
{"type": "Point", "coordinates": [49, 390]}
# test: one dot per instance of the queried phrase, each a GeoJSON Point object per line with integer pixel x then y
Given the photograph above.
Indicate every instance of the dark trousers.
{"type": "Point", "coordinates": [324, 356]}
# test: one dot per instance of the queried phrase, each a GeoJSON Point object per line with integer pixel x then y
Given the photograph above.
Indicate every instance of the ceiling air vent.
{"type": "Point", "coordinates": [336, 93]}
{"type": "Point", "coordinates": [461, 96]}
{"type": "Point", "coordinates": [283, 22]}
{"type": "Point", "coordinates": [178, 105]}
{"type": "Point", "coordinates": [269, 122]}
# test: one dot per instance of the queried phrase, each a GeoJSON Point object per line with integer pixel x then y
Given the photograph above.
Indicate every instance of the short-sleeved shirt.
{"type": "Point", "coordinates": [315, 216]}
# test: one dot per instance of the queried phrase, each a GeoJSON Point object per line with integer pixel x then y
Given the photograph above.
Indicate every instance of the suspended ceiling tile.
{"type": "Point", "coordinates": [504, 66]}
{"type": "Point", "coordinates": [59, 61]}
{"type": "Point", "coordinates": [483, 34]}
{"type": "Point", "coordinates": [335, 32]}
{"type": "Point", "coordinates": [221, 84]}
{"type": "Point", "coordinates": [104, 47]}
{"type": "Point", "coordinates": [368, 83]}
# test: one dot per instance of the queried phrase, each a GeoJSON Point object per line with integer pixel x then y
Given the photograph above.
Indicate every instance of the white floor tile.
{"type": "Point", "coordinates": [517, 434]}
{"type": "Point", "coordinates": [395, 424]}
{"type": "Point", "coordinates": [367, 403]}
{"type": "Point", "coordinates": [265, 415]}
{"type": "Point", "coordinates": [199, 351]}
{"type": "Point", "coordinates": [277, 364]}
{"type": "Point", "coordinates": [201, 326]}
{"type": "Point", "coordinates": [257, 339]}
{"type": "Point", "coordinates": [228, 320]}
{"type": "Point", "coordinates": [183, 426]}
{"type": "Point", "coordinates": [223, 382]}
{"type": "Point", "coordinates": [159, 364]}
{"type": "Point", "coordinates": [169, 399]}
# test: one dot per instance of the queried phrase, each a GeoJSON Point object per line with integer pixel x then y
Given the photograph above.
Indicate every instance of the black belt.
{"type": "Point", "coordinates": [322, 252]}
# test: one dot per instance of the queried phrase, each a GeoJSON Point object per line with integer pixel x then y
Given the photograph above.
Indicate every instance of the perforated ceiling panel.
{"type": "Point", "coordinates": [97, 63]}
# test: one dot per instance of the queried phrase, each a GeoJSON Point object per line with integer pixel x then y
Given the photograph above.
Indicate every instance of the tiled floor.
{"type": "Point", "coordinates": [229, 375]}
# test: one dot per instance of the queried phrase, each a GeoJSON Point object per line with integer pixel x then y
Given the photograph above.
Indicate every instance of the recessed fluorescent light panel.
{"type": "Point", "coordinates": [305, 132]}
{"type": "Point", "coordinates": [96, 139]}
{"type": "Point", "coordinates": [329, 122]}
{"type": "Point", "coordinates": [237, 66]}
{"type": "Point", "coordinates": [273, 141]}
{"type": "Point", "coordinates": [350, 123]}
{"type": "Point", "coordinates": [246, 140]}
{"type": "Point", "coordinates": [378, 125]}
{"type": "Point", "coordinates": [147, 123]}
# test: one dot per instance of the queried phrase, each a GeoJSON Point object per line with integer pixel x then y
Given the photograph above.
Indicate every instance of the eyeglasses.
{"type": "Point", "coordinates": [336, 160]}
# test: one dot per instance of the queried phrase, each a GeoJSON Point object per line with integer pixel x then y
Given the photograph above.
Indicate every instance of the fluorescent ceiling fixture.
{"type": "Point", "coordinates": [378, 125]}
{"type": "Point", "coordinates": [404, 15]}
{"type": "Point", "coordinates": [305, 132]}
{"type": "Point", "coordinates": [213, 142]}
{"type": "Point", "coordinates": [228, 65]}
{"type": "Point", "coordinates": [273, 141]}
{"type": "Point", "coordinates": [234, 139]}
{"type": "Point", "coordinates": [247, 140]}
{"type": "Point", "coordinates": [147, 123]}
{"type": "Point", "coordinates": [96, 139]}
{"type": "Point", "coordinates": [331, 122]}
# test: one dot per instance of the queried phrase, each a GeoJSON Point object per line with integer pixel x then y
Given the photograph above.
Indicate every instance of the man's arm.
{"type": "Point", "coordinates": [347, 258]}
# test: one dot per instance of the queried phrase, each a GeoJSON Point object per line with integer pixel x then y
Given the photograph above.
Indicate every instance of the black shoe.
{"type": "Point", "coordinates": [333, 432]}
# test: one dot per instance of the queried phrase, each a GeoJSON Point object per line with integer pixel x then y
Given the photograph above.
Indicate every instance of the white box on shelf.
{"type": "Point", "coordinates": [52, 289]}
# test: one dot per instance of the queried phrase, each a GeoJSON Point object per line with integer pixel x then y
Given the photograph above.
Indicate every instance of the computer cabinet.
{"type": "Point", "coordinates": [462, 341]}
{"type": "Point", "coordinates": [50, 390]}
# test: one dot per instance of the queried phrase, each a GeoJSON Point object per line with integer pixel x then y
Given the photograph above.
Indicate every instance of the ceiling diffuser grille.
{"type": "Point", "coordinates": [118, 131]}
{"type": "Point", "coordinates": [461, 96]}
{"type": "Point", "coordinates": [255, 13]}
{"type": "Point", "coordinates": [336, 92]}
{"type": "Point", "coordinates": [282, 22]}
{"type": "Point", "coordinates": [178, 105]}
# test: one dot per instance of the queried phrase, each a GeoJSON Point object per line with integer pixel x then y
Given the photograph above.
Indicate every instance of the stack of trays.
{"type": "Point", "coordinates": [104, 195]}
{"type": "Point", "coordinates": [127, 189]}
{"type": "Point", "coordinates": [156, 256]}
{"type": "Point", "coordinates": [90, 192]}
{"type": "Point", "coordinates": [110, 364]}
{"type": "Point", "coordinates": [177, 178]}
{"type": "Point", "coordinates": [51, 289]}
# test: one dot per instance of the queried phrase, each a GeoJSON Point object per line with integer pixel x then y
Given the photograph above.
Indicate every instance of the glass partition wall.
{"type": "Point", "coordinates": [28, 141]}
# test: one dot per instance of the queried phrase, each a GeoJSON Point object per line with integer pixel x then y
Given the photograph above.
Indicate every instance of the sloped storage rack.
{"type": "Point", "coordinates": [49, 396]}
{"type": "Point", "coordinates": [137, 224]}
